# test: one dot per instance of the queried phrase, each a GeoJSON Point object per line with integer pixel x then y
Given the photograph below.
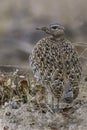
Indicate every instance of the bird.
{"type": "Point", "coordinates": [55, 63]}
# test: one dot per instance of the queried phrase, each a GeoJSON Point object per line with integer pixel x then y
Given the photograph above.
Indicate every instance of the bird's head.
{"type": "Point", "coordinates": [55, 30]}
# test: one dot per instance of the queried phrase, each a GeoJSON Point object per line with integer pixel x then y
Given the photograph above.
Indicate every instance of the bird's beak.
{"type": "Point", "coordinates": [38, 28]}
{"type": "Point", "coordinates": [42, 28]}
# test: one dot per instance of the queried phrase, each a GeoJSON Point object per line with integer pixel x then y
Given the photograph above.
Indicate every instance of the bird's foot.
{"type": "Point", "coordinates": [50, 108]}
{"type": "Point", "coordinates": [56, 108]}
{"type": "Point", "coordinates": [53, 108]}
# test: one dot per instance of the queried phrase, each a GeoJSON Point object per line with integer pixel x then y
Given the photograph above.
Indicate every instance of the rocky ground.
{"type": "Point", "coordinates": [30, 111]}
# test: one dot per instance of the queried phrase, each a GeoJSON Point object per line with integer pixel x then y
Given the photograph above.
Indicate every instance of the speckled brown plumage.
{"type": "Point", "coordinates": [55, 63]}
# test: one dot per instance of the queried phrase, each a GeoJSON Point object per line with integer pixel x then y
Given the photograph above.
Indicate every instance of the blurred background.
{"type": "Point", "coordinates": [19, 18]}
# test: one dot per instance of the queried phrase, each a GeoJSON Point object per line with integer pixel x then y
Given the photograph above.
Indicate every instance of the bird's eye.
{"type": "Point", "coordinates": [54, 27]}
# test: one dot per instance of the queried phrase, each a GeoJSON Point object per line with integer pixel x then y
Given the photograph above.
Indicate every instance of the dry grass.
{"type": "Point", "coordinates": [24, 106]}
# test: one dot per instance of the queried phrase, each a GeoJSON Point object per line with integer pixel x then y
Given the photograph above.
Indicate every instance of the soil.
{"type": "Point", "coordinates": [35, 114]}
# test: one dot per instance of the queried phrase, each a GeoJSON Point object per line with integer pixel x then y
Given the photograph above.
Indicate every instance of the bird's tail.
{"type": "Point", "coordinates": [68, 93]}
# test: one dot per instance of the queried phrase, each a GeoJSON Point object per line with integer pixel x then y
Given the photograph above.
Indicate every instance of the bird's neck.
{"type": "Point", "coordinates": [58, 38]}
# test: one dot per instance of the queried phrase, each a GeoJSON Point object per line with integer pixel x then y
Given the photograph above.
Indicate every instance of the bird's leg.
{"type": "Point", "coordinates": [58, 104]}
{"type": "Point", "coordinates": [47, 100]}
{"type": "Point", "coordinates": [53, 103]}
{"type": "Point", "coordinates": [59, 109]}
